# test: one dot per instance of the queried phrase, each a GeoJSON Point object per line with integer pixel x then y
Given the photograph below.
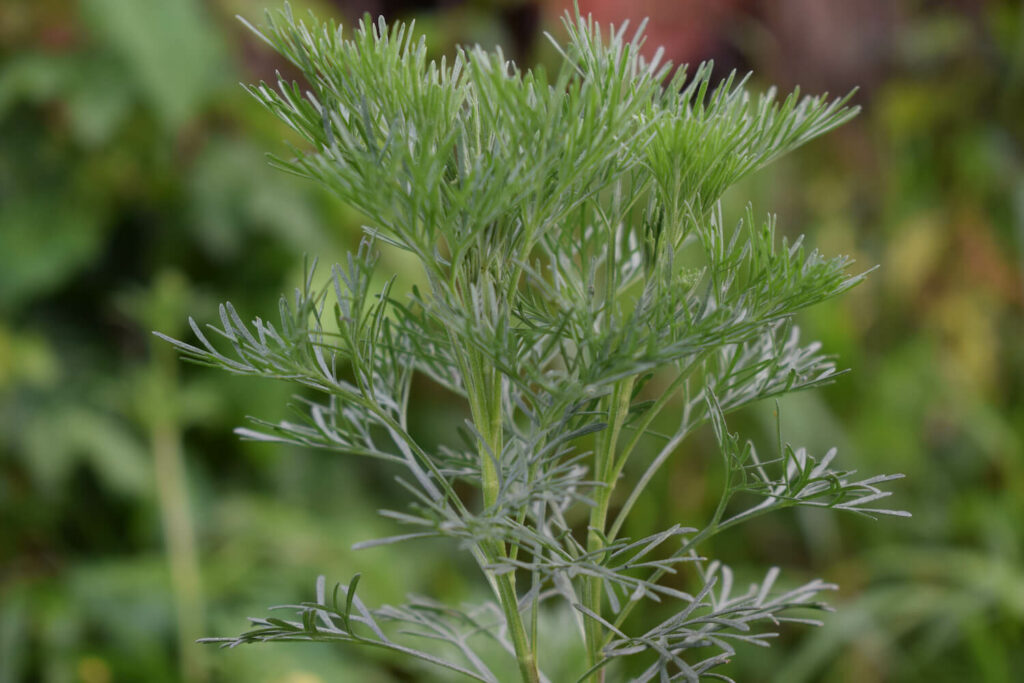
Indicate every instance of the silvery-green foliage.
{"type": "Point", "coordinates": [570, 232]}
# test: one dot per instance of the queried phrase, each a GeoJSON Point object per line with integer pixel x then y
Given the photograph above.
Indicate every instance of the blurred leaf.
{"type": "Point", "coordinates": [130, 598]}
{"type": "Point", "coordinates": [172, 49]}
{"type": "Point", "coordinates": [236, 193]}
{"type": "Point", "coordinates": [935, 593]}
{"type": "Point", "coordinates": [915, 252]}
{"type": "Point", "coordinates": [942, 37]}
{"type": "Point", "coordinates": [58, 440]}
{"type": "Point", "coordinates": [43, 242]}
{"type": "Point", "coordinates": [26, 357]}
{"type": "Point", "coordinates": [13, 624]}
{"type": "Point", "coordinates": [994, 581]}
{"type": "Point", "coordinates": [98, 101]}
{"type": "Point", "coordinates": [161, 305]}
{"type": "Point", "coordinates": [34, 78]}
{"type": "Point", "coordinates": [91, 88]}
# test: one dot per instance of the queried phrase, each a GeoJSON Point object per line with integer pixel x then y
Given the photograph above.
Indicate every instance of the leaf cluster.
{"type": "Point", "coordinates": [570, 231]}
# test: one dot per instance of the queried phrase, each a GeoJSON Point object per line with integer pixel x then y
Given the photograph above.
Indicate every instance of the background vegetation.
{"type": "Point", "coordinates": [133, 190]}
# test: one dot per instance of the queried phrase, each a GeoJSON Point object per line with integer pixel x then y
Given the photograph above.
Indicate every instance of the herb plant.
{"type": "Point", "coordinates": [581, 283]}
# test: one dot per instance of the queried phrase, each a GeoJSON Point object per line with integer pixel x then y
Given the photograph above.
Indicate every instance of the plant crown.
{"type": "Point", "coordinates": [581, 282]}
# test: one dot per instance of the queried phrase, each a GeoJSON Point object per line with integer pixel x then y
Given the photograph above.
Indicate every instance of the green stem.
{"type": "Point", "coordinates": [175, 515]}
{"type": "Point", "coordinates": [640, 430]}
{"type": "Point", "coordinates": [606, 470]}
{"type": "Point", "coordinates": [525, 654]}
{"type": "Point", "coordinates": [484, 391]}
{"type": "Point", "coordinates": [485, 405]}
{"type": "Point", "coordinates": [653, 412]}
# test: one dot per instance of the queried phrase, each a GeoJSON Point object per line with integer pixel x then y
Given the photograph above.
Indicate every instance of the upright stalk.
{"type": "Point", "coordinates": [485, 405]}
{"type": "Point", "coordinates": [606, 470]}
{"type": "Point", "coordinates": [176, 517]}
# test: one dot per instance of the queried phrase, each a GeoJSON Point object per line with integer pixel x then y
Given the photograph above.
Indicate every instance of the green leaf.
{"type": "Point", "coordinates": [43, 243]}
{"type": "Point", "coordinates": [172, 49]}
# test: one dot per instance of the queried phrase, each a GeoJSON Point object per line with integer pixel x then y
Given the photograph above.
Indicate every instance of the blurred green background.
{"type": "Point", "coordinates": [134, 192]}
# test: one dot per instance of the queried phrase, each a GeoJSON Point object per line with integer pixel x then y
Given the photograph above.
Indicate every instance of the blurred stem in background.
{"type": "Point", "coordinates": [161, 415]}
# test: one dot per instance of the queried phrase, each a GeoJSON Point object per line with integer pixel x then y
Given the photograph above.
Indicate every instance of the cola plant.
{"type": "Point", "coordinates": [581, 288]}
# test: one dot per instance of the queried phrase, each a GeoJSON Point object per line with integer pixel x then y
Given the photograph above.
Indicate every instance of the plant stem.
{"type": "Point", "coordinates": [485, 405]}
{"type": "Point", "coordinates": [525, 654]}
{"type": "Point", "coordinates": [606, 470]}
{"type": "Point", "coordinates": [641, 428]}
{"type": "Point", "coordinates": [176, 518]}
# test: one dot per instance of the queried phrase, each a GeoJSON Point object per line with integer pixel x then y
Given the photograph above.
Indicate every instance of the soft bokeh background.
{"type": "Point", "coordinates": [133, 192]}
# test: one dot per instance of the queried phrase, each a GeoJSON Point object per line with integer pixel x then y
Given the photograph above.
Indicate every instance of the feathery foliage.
{"type": "Point", "coordinates": [570, 230]}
